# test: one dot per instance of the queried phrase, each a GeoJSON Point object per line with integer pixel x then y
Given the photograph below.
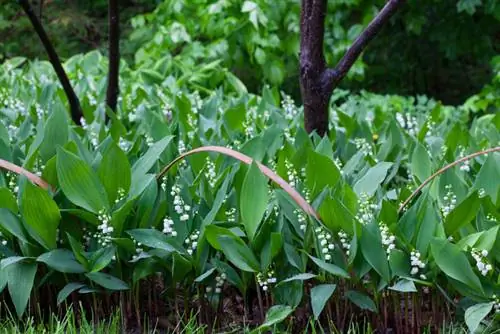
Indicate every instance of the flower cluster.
{"type": "Point", "coordinates": [481, 261]}
{"type": "Point", "coordinates": [388, 240]}
{"type": "Point", "coordinates": [168, 227]}
{"type": "Point", "coordinates": [124, 144]}
{"type": "Point", "coordinates": [231, 215]}
{"type": "Point", "coordinates": [210, 173]}
{"type": "Point", "coordinates": [249, 124]}
{"type": "Point", "coordinates": [481, 193]}
{"type": "Point", "coordinates": [288, 136]}
{"type": "Point", "coordinates": [192, 242]}
{"type": "Point", "coordinates": [344, 240]}
{"type": "Point", "coordinates": [289, 107]}
{"type": "Point", "coordinates": [291, 173]}
{"type": "Point", "coordinates": [417, 264]}
{"type": "Point", "coordinates": [193, 124]}
{"type": "Point", "coordinates": [196, 102]}
{"type": "Point", "coordinates": [219, 283]}
{"type": "Point", "coordinates": [264, 281]}
{"type": "Point", "coordinates": [496, 306]}
{"type": "Point", "coordinates": [180, 207]}
{"type": "Point", "coordinates": [301, 217]}
{"type": "Point", "coordinates": [149, 140]}
{"type": "Point", "coordinates": [121, 195]}
{"type": "Point", "coordinates": [2, 240]}
{"type": "Point", "coordinates": [450, 201]}
{"type": "Point", "coordinates": [366, 209]}
{"type": "Point", "coordinates": [363, 146]}
{"type": "Point", "coordinates": [326, 242]}
{"type": "Point", "coordinates": [12, 182]}
{"type": "Point", "coordinates": [408, 122]}
{"type": "Point", "coordinates": [138, 249]}
{"type": "Point", "coordinates": [465, 166]}
{"type": "Point", "coordinates": [104, 236]}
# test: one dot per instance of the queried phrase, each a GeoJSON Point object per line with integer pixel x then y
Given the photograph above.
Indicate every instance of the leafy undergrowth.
{"type": "Point", "coordinates": [212, 236]}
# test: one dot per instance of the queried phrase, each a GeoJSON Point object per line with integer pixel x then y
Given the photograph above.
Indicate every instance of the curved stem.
{"type": "Point", "coordinates": [19, 170]}
{"type": "Point", "coordinates": [444, 169]}
{"type": "Point", "coordinates": [246, 159]}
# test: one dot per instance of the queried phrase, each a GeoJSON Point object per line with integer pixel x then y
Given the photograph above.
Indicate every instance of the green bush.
{"type": "Point", "coordinates": [110, 218]}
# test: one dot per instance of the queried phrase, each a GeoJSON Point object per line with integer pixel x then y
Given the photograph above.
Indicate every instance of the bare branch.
{"type": "Point", "coordinates": [76, 111]}
{"type": "Point", "coordinates": [114, 55]}
{"type": "Point", "coordinates": [339, 72]}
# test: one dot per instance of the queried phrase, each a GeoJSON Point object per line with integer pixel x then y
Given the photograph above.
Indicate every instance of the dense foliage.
{"type": "Point", "coordinates": [213, 228]}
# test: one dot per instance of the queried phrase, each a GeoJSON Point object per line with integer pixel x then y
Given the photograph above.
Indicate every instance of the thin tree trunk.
{"type": "Point", "coordinates": [317, 81]}
{"type": "Point", "coordinates": [114, 55]}
{"type": "Point", "coordinates": [76, 111]}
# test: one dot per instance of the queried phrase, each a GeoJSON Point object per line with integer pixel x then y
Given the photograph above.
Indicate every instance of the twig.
{"type": "Point", "coordinates": [19, 170]}
{"type": "Point", "coordinates": [444, 169]}
{"type": "Point", "coordinates": [76, 111]}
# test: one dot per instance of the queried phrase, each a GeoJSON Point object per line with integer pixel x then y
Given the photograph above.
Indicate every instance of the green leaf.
{"type": "Point", "coordinates": [212, 232]}
{"type": "Point", "coordinates": [20, 278]}
{"type": "Point", "coordinates": [404, 285]}
{"type": "Point", "coordinates": [453, 262]}
{"type": "Point", "coordinates": [114, 171]}
{"type": "Point", "coordinates": [7, 200]}
{"type": "Point", "coordinates": [463, 214]}
{"type": "Point", "coordinates": [373, 252]}
{"type": "Point", "coordinates": [79, 183]}
{"type": "Point", "coordinates": [253, 199]}
{"type": "Point", "coordinates": [275, 315]}
{"type": "Point", "coordinates": [361, 300]}
{"type": "Point", "coordinates": [147, 161]}
{"type": "Point", "coordinates": [239, 253]}
{"type": "Point", "coordinates": [488, 172]}
{"type": "Point", "coordinates": [67, 290]}
{"type": "Point", "coordinates": [370, 182]}
{"type": "Point", "coordinates": [102, 258]}
{"type": "Point", "coordinates": [55, 133]}
{"type": "Point", "coordinates": [299, 277]}
{"type": "Point", "coordinates": [62, 260]}
{"type": "Point", "coordinates": [421, 165]}
{"type": "Point", "coordinates": [107, 281]}
{"type": "Point", "coordinates": [316, 177]}
{"type": "Point", "coordinates": [13, 225]}
{"type": "Point", "coordinates": [319, 296]}
{"type": "Point", "coordinates": [41, 215]}
{"type": "Point", "coordinates": [475, 314]}
{"type": "Point", "coordinates": [152, 238]}
{"type": "Point", "coordinates": [329, 267]}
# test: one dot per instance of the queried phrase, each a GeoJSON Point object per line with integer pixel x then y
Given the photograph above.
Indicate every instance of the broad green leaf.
{"type": "Point", "coordinates": [152, 238]}
{"type": "Point", "coordinates": [205, 275]}
{"type": "Point", "coordinates": [370, 182]}
{"type": "Point", "coordinates": [373, 252]}
{"type": "Point", "coordinates": [41, 215]}
{"type": "Point", "coordinates": [453, 262]}
{"type": "Point", "coordinates": [239, 253]}
{"type": "Point", "coordinates": [488, 172]}
{"type": "Point", "coordinates": [102, 257]}
{"type": "Point", "coordinates": [107, 281]}
{"type": "Point", "coordinates": [12, 224]}
{"type": "Point", "coordinates": [114, 172]}
{"type": "Point", "coordinates": [147, 161]}
{"type": "Point", "coordinates": [80, 183]}
{"type": "Point", "coordinates": [212, 233]}
{"type": "Point", "coordinates": [67, 290]}
{"type": "Point", "coordinates": [361, 300]}
{"type": "Point", "coordinates": [219, 199]}
{"type": "Point", "coordinates": [7, 200]}
{"type": "Point", "coordinates": [321, 172]}
{"type": "Point", "coordinates": [20, 278]}
{"type": "Point", "coordinates": [319, 297]}
{"type": "Point", "coordinates": [275, 315]}
{"type": "Point", "coordinates": [463, 214]}
{"type": "Point", "coordinates": [62, 260]}
{"type": "Point", "coordinates": [298, 277]}
{"type": "Point", "coordinates": [55, 133]}
{"type": "Point", "coordinates": [421, 165]}
{"type": "Point", "coordinates": [475, 314]}
{"type": "Point", "coordinates": [404, 285]}
{"type": "Point", "coordinates": [253, 199]}
{"type": "Point", "coordinates": [329, 267]}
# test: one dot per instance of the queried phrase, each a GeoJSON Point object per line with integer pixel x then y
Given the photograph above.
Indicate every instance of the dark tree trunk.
{"type": "Point", "coordinates": [74, 103]}
{"type": "Point", "coordinates": [317, 81]}
{"type": "Point", "coordinates": [114, 55]}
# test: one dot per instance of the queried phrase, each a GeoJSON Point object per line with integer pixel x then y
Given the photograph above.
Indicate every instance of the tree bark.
{"type": "Point", "coordinates": [317, 81]}
{"type": "Point", "coordinates": [114, 55]}
{"type": "Point", "coordinates": [74, 103]}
